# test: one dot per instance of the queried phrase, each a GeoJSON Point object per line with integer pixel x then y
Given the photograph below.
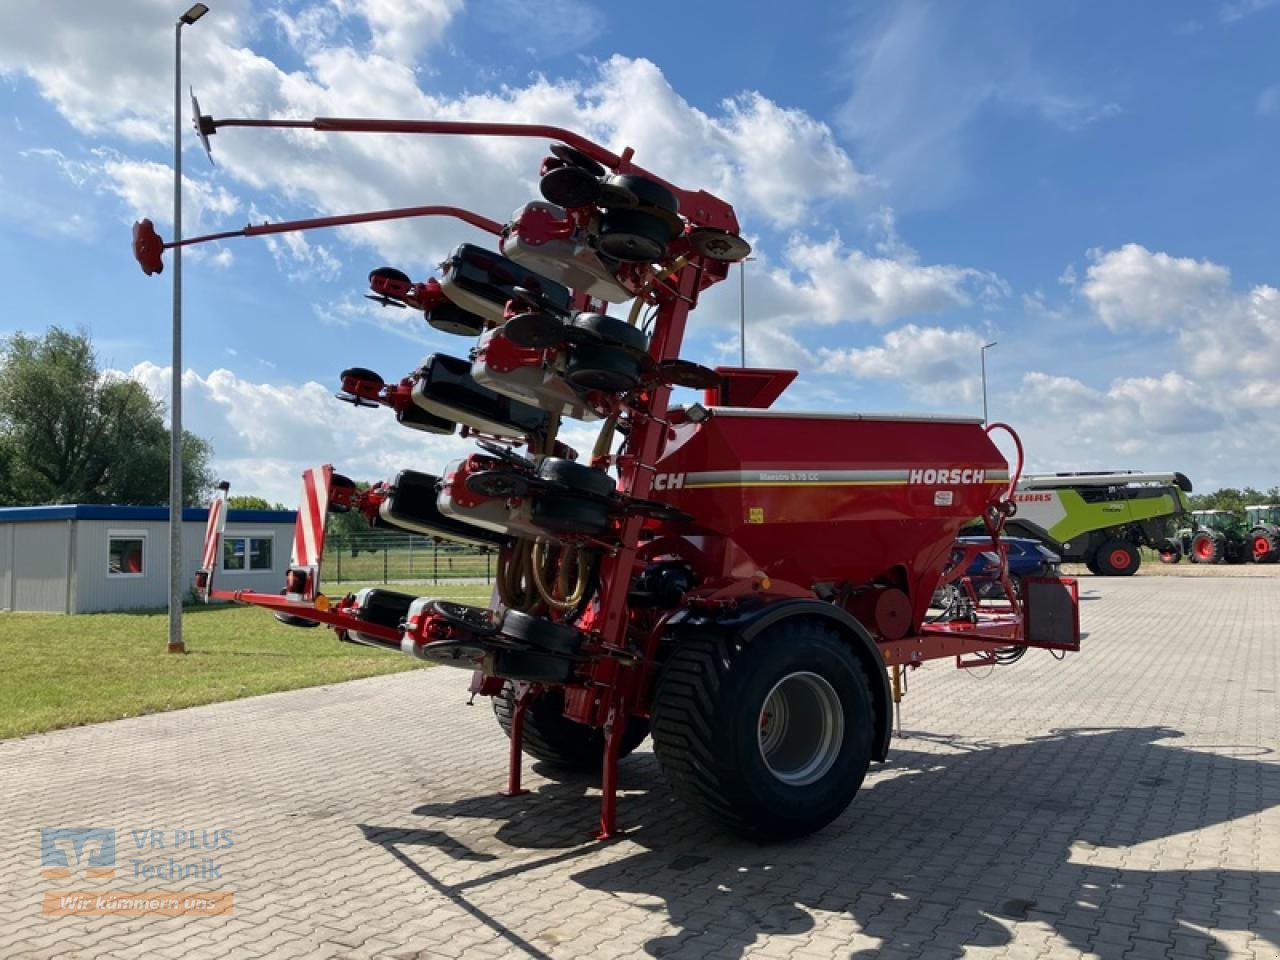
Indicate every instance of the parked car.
{"type": "Point", "coordinates": [1027, 558]}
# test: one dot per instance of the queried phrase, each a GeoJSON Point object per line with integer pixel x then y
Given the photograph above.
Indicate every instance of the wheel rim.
{"type": "Point", "coordinates": [1261, 547]}
{"type": "Point", "coordinates": [1204, 549]}
{"type": "Point", "coordinates": [1119, 559]}
{"type": "Point", "coordinates": [801, 728]}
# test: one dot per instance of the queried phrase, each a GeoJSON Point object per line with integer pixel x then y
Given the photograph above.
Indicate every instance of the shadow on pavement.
{"type": "Point", "coordinates": [944, 849]}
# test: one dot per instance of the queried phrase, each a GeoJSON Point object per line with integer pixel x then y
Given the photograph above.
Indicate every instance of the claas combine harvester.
{"type": "Point", "coordinates": [747, 585]}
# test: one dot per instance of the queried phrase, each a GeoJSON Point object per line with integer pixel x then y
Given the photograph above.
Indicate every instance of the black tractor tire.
{"type": "Point", "coordinates": [551, 737]}
{"type": "Point", "coordinates": [1170, 552]}
{"type": "Point", "coordinates": [1091, 564]}
{"type": "Point", "coordinates": [1117, 558]}
{"type": "Point", "coordinates": [1207, 547]}
{"type": "Point", "coordinates": [1264, 545]}
{"type": "Point", "coordinates": [716, 699]}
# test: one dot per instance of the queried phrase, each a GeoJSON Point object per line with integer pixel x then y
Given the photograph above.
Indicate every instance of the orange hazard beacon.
{"type": "Point", "coordinates": [745, 583]}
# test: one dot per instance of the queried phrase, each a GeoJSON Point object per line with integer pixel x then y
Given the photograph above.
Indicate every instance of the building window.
{"type": "Point", "coordinates": [246, 554]}
{"type": "Point", "coordinates": [126, 553]}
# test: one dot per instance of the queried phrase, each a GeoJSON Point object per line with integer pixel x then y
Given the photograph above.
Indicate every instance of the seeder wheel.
{"type": "Point", "coordinates": [770, 738]}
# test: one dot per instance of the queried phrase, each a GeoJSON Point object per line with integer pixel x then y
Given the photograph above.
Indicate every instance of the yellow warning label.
{"type": "Point", "coordinates": [755, 515]}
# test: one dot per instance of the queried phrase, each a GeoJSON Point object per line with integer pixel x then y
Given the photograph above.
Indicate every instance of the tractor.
{"type": "Point", "coordinates": [745, 584]}
{"type": "Point", "coordinates": [1263, 521]}
{"type": "Point", "coordinates": [1216, 536]}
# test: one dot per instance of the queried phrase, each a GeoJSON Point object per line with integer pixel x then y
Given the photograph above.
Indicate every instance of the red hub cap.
{"type": "Point", "coordinates": [1204, 549]}
{"type": "Point", "coordinates": [1261, 546]}
{"type": "Point", "coordinates": [1119, 559]}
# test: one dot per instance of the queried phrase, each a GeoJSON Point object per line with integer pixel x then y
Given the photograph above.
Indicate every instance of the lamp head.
{"type": "Point", "coordinates": [197, 11]}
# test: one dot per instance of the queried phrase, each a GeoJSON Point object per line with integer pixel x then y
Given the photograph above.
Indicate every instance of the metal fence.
{"type": "Point", "coordinates": [387, 558]}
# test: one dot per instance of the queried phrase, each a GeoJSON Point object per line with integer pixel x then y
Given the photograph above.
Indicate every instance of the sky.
{"type": "Point", "coordinates": [1091, 186]}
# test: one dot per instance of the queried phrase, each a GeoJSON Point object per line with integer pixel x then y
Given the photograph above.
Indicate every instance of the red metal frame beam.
{"type": "Point", "coordinates": [372, 216]}
{"type": "Point", "coordinates": [699, 207]}
{"type": "Point", "coordinates": [334, 618]}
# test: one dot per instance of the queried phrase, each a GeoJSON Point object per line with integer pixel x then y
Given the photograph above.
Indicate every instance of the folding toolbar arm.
{"type": "Point", "coordinates": [148, 247]}
{"type": "Point", "coordinates": [698, 207]}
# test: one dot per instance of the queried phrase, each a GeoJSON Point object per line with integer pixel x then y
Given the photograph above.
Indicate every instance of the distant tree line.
{"type": "Point", "coordinates": [1229, 498]}
{"type": "Point", "coordinates": [70, 433]}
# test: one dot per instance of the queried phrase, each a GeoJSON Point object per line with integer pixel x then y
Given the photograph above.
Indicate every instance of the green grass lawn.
{"type": "Point", "coordinates": [63, 671]}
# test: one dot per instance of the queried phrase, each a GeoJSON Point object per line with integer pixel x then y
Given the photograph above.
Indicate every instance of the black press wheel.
{"type": "Point", "coordinates": [1117, 558]}
{"type": "Point", "coordinates": [560, 742]}
{"type": "Point", "coordinates": [772, 738]}
{"type": "Point", "coordinates": [577, 477]}
{"type": "Point", "coordinates": [570, 516]}
{"type": "Point", "coordinates": [540, 632]}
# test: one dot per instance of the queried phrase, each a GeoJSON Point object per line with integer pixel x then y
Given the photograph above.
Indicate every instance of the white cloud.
{"type": "Point", "coordinates": [1239, 9]}
{"type": "Point", "coordinates": [401, 29]}
{"type": "Point", "coordinates": [144, 188]}
{"type": "Point", "coordinates": [825, 282]}
{"type": "Point", "coordinates": [1132, 287]}
{"type": "Point", "coordinates": [936, 363]}
{"type": "Point", "coordinates": [1269, 101]}
{"type": "Point", "coordinates": [265, 434]}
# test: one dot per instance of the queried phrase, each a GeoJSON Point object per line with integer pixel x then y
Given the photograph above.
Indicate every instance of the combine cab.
{"type": "Point", "coordinates": [1263, 521]}
{"type": "Point", "coordinates": [746, 584]}
{"type": "Point", "coordinates": [1101, 519]}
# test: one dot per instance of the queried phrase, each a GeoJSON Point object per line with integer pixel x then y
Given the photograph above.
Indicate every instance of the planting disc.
{"type": "Point", "coordinates": [505, 454]}
{"type": "Point", "coordinates": [719, 245]}
{"type": "Point", "coordinates": [203, 124]}
{"type": "Point", "coordinates": [454, 653]}
{"type": "Point", "coordinates": [534, 330]}
{"type": "Point", "coordinates": [576, 158]}
{"type": "Point", "coordinates": [479, 620]}
{"type": "Point", "coordinates": [497, 483]}
{"type": "Point", "coordinates": [569, 187]}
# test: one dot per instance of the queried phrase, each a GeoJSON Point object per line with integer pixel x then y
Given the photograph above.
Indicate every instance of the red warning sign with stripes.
{"type": "Point", "coordinates": [308, 532]}
{"type": "Point", "coordinates": [213, 529]}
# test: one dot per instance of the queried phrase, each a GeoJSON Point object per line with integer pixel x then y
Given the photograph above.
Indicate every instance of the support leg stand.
{"type": "Point", "coordinates": [516, 756]}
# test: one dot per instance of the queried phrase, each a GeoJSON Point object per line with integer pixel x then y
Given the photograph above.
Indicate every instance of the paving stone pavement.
{"type": "Point", "coordinates": [1122, 804]}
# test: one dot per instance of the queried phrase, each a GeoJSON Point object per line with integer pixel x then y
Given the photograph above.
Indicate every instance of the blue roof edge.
{"type": "Point", "coordinates": [105, 511]}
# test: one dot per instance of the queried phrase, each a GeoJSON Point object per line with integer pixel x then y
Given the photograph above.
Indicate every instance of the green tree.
{"type": "Point", "coordinates": [71, 434]}
{"type": "Point", "coordinates": [247, 501]}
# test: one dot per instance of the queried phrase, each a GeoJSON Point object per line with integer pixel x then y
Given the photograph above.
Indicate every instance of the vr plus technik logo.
{"type": "Point", "coordinates": [90, 854]}
{"type": "Point", "coordinates": [64, 850]}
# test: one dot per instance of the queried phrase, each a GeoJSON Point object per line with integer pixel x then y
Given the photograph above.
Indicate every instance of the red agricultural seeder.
{"type": "Point", "coordinates": [746, 584]}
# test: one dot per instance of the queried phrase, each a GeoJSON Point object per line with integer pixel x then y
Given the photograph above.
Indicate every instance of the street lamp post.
{"type": "Point", "coordinates": [983, 353]}
{"type": "Point", "coordinates": [742, 307]}
{"type": "Point", "coordinates": [176, 644]}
